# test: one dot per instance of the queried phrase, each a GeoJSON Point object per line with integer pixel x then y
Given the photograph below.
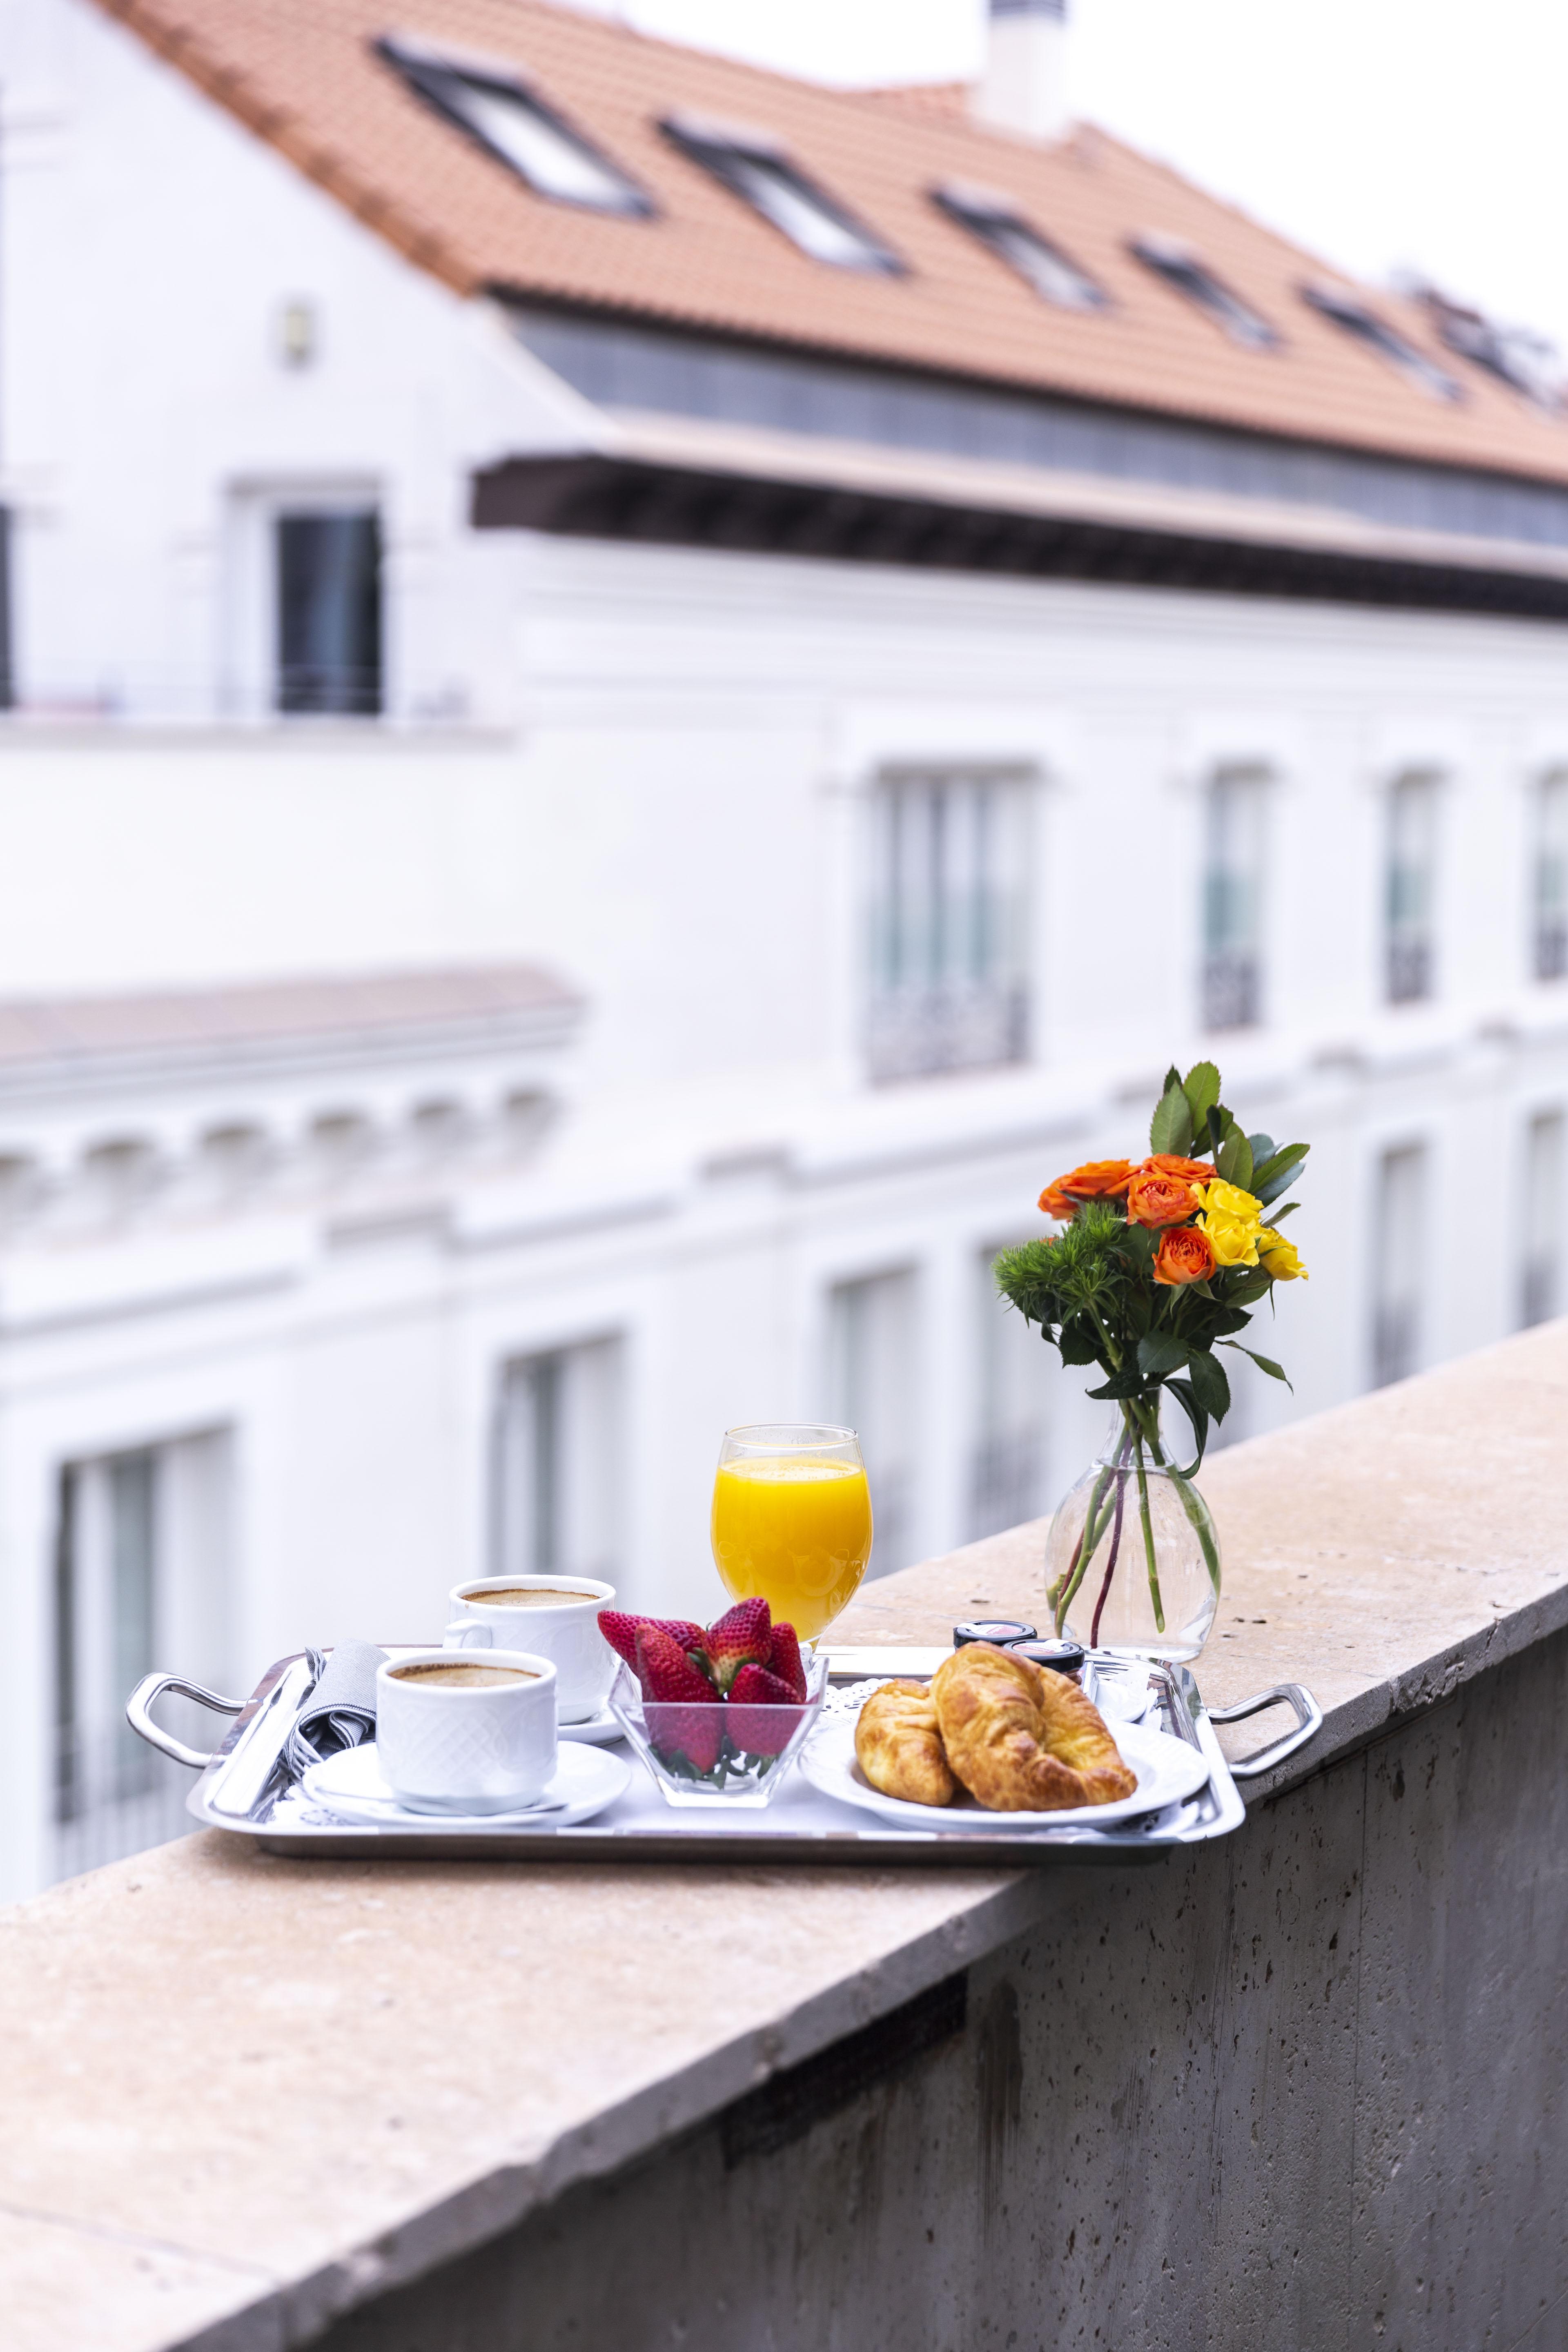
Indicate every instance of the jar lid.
{"type": "Point", "coordinates": [1062, 1658]}
{"type": "Point", "coordinates": [1003, 1631]}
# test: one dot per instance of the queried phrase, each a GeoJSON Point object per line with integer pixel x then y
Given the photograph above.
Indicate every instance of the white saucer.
{"type": "Point", "coordinates": [597, 1730]}
{"type": "Point", "coordinates": [1168, 1770]}
{"type": "Point", "coordinates": [350, 1785]}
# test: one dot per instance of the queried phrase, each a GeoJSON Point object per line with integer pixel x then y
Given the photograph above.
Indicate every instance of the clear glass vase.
{"type": "Point", "coordinates": [1131, 1557]}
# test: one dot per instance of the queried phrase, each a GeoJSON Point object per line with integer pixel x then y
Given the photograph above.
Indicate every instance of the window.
{"type": "Point", "coordinates": [512, 123]}
{"type": "Point", "coordinates": [1540, 1272]}
{"type": "Point", "coordinates": [1400, 1254]}
{"type": "Point", "coordinates": [1232, 897]}
{"type": "Point", "coordinates": [1551, 892]}
{"type": "Point", "coordinates": [141, 1580]}
{"type": "Point", "coordinates": [1045, 265]}
{"type": "Point", "coordinates": [1527, 362]}
{"type": "Point", "coordinates": [871, 1390]}
{"type": "Point", "coordinates": [1356, 318]}
{"type": "Point", "coordinates": [1411, 888]}
{"type": "Point", "coordinates": [328, 613]}
{"type": "Point", "coordinates": [1180, 266]}
{"type": "Point", "coordinates": [1006, 1474]}
{"type": "Point", "coordinates": [765, 178]}
{"type": "Point", "coordinates": [949, 894]}
{"type": "Point", "coordinates": [557, 1458]}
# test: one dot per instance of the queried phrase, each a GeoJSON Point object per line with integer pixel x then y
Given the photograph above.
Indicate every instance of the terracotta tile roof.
{"type": "Point", "coordinates": [301, 74]}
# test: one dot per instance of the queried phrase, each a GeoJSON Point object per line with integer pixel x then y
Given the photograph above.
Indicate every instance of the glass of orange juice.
{"type": "Point", "coordinates": [792, 1519]}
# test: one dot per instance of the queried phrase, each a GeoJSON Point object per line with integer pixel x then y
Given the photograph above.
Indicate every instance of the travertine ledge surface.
{"type": "Point", "coordinates": [241, 2094]}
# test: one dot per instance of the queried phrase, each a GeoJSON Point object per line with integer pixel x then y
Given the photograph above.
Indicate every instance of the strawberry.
{"type": "Point", "coordinates": [619, 1628]}
{"type": "Point", "coordinates": [753, 1726]}
{"type": "Point", "coordinates": [786, 1660]}
{"type": "Point", "coordinates": [686, 1721]}
{"type": "Point", "coordinates": [744, 1636]}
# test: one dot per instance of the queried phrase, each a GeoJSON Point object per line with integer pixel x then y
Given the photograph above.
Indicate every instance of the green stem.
{"type": "Point", "coordinates": [1196, 1510]}
{"type": "Point", "coordinates": [1149, 1538]}
{"type": "Point", "coordinates": [1094, 1527]}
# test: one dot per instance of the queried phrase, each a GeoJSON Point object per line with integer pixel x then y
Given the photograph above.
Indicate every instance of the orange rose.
{"type": "Point", "coordinates": [1185, 1254]}
{"type": "Point", "coordinates": [1098, 1180]}
{"type": "Point", "coordinates": [1156, 1200]}
{"type": "Point", "coordinates": [1170, 1163]}
{"type": "Point", "coordinates": [1056, 1203]}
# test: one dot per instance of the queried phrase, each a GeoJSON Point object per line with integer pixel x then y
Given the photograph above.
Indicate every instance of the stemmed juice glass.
{"type": "Point", "coordinates": [792, 1519]}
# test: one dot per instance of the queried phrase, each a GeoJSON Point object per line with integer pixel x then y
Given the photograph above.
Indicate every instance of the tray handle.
{"type": "Point", "coordinates": [1309, 1722]}
{"type": "Point", "coordinates": [138, 1714]}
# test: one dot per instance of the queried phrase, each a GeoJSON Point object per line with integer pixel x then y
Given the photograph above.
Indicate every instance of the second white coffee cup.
{"type": "Point", "coordinates": [466, 1735]}
{"type": "Point", "coordinates": [556, 1615]}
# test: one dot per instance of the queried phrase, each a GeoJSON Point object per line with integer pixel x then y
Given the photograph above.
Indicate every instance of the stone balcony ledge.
{"type": "Point", "coordinates": [251, 2104]}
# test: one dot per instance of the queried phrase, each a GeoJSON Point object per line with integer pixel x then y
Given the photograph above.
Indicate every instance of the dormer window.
{"type": "Point", "coordinates": [512, 122]}
{"type": "Point", "coordinates": [1180, 266]}
{"type": "Point", "coordinates": [1526, 362]}
{"type": "Point", "coordinates": [752, 168]}
{"type": "Point", "coordinates": [998, 223]}
{"type": "Point", "coordinates": [1347, 311]}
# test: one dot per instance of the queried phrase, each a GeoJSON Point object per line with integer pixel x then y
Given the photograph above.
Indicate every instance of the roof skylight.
{"type": "Point", "coordinates": [1347, 311]}
{"type": "Point", "coordinates": [1180, 266]}
{"type": "Point", "coordinates": [1045, 266]}
{"type": "Point", "coordinates": [766, 179]}
{"type": "Point", "coordinates": [1526, 362]}
{"type": "Point", "coordinates": [513, 123]}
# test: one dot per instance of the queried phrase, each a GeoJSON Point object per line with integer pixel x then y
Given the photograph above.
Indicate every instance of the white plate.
{"type": "Point", "coordinates": [597, 1730]}
{"type": "Point", "coordinates": [1168, 1770]}
{"type": "Point", "coordinates": [349, 1786]}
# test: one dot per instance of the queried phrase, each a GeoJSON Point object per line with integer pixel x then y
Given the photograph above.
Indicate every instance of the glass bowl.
{"type": "Point", "coordinates": [742, 1753]}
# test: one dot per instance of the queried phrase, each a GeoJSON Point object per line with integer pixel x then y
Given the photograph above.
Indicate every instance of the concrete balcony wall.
{"type": "Point", "coordinates": [1306, 2087]}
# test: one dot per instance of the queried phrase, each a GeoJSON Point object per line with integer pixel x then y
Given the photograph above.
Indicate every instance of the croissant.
{"type": "Point", "coordinates": [1022, 1740]}
{"type": "Point", "coordinates": [900, 1747]}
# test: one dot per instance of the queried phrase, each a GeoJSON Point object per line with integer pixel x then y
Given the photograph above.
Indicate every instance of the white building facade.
{"type": "Point", "coordinates": [701, 952]}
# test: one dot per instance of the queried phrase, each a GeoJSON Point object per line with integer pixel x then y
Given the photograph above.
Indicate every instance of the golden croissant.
{"type": "Point", "coordinates": [900, 1748]}
{"type": "Point", "coordinates": [1023, 1740]}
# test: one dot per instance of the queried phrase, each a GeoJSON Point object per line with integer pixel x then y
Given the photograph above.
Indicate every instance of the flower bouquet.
{"type": "Point", "coordinates": [1160, 1264]}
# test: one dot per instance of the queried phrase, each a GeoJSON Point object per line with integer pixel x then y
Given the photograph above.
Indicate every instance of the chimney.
{"type": "Point", "coordinates": [1023, 88]}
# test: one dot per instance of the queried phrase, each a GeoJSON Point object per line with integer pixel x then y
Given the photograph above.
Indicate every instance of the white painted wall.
{"type": "Point", "coordinates": [658, 787]}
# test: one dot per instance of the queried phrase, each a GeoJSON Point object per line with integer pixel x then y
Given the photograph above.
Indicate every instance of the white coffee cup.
{"type": "Point", "coordinates": [566, 1630]}
{"type": "Point", "coordinates": [461, 1746]}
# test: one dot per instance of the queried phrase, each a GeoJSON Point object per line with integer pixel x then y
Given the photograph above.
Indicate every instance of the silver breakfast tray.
{"type": "Point", "coordinates": [241, 1790]}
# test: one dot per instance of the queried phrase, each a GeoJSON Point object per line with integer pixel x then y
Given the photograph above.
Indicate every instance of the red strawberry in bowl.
{"type": "Point", "coordinates": [686, 1719]}
{"type": "Point", "coordinates": [753, 1723]}
{"type": "Point", "coordinates": [744, 1636]}
{"type": "Point", "coordinates": [786, 1660]}
{"type": "Point", "coordinates": [619, 1628]}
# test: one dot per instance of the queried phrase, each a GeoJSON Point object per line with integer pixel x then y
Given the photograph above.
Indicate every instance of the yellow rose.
{"type": "Point", "coordinates": [1280, 1257]}
{"type": "Point", "coordinates": [1233, 1239]}
{"type": "Point", "coordinates": [1222, 1199]}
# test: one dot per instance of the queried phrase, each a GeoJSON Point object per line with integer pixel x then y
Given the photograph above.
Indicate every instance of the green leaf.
{"type": "Point", "coordinates": [1264, 1363]}
{"type": "Point", "coordinates": [1216, 1118]}
{"type": "Point", "coordinates": [1262, 1145]}
{"type": "Point", "coordinates": [1201, 1086]}
{"type": "Point", "coordinates": [1275, 1173]}
{"type": "Point", "coordinates": [1077, 1347]}
{"type": "Point", "coordinates": [1160, 1353]}
{"type": "Point", "coordinates": [1138, 1243]}
{"type": "Point", "coordinates": [1173, 1078]}
{"type": "Point", "coordinates": [1197, 1415]}
{"type": "Point", "coordinates": [1210, 1386]}
{"type": "Point", "coordinates": [1120, 1385]}
{"type": "Point", "coordinates": [1170, 1128]}
{"type": "Point", "coordinates": [1234, 1160]}
{"type": "Point", "coordinates": [1277, 1216]}
{"type": "Point", "coordinates": [1244, 1284]}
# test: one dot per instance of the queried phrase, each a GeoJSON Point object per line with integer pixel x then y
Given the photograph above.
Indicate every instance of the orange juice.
{"type": "Point", "coordinates": [796, 1530]}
